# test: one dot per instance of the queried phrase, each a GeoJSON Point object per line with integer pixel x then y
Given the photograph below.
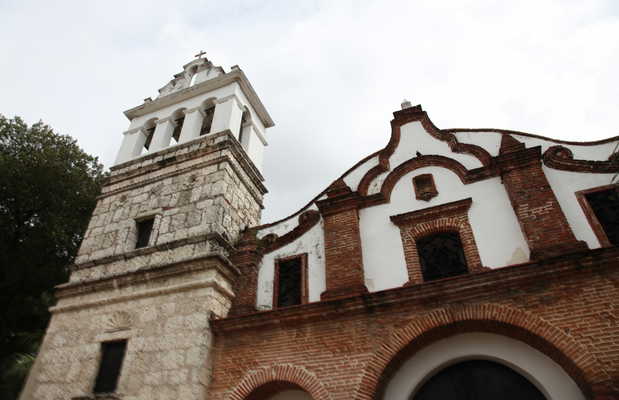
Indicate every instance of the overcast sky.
{"type": "Point", "coordinates": [329, 72]}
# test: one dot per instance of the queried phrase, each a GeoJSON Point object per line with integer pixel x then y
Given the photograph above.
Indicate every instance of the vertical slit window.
{"type": "Point", "coordinates": [112, 355]}
{"type": "Point", "coordinates": [144, 228]}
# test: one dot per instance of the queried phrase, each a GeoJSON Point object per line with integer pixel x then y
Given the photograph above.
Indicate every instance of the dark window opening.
{"type": "Point", "coordinates": [605, 206]}
{"type": "Point", "coordinates": [243, 120]}
{"type": "Point", "coordinates": [207, 122]}
{"type": "Point", "coordinates": [178, 126]}
{"type": "Point", "coordinates": [112, 355]}
{"type": "Point", "coordinates": [290, 282]}
{"type": "Point", "coordinates": [149, 137]}
{"type": "Point", "coordinates": [441, 255]}
{"type": "Point", "coordinates": [425, 188]}
{"type": "Point", "coordinates": [479, 380]}
{"type": "Point", "coordinates": [145, 227]}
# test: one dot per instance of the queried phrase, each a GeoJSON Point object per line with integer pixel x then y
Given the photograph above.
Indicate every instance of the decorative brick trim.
{"type": "Point", "coordinates": [253, 386]}
{"type": "Point", "coordinates": [531, 135]}
{"type": "Point", "coordinates": [272, 242]}
{"type": "Point", "coordinates": [412, 114]}
{"type": "Point", "coordinates": [461, 289]}
{"type": "Point", "coordinates": [562, 158]}
{"type": "Point", "coordinates": [450, 217]}
{"type": "Point", "coordinates": [386, 152]}
{"type": "Point", "coordinates": [319, 195]}
{"type": "Point", "coordinates": [304, 288]}
{"type": "Point", "coordinates": [403, 343]}
{"type": "Point", "coordinates": [539, 213]}
{"type": "Point", "coordinates": [590, 214]}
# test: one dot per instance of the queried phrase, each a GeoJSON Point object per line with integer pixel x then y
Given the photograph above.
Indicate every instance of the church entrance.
{"type": "Point", "coordinates": [478, 380]}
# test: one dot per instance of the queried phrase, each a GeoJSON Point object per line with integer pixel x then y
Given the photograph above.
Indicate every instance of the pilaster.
{"type": "Point", "coordinates": [344, 263]}
{"type": "Point", "coordinates": [162, 135]}
{"type": "Point", "coordinates": [539, 214]}
{"type": "Point", "coordinates": [131, 146]}
{"type": "Point", "coordinates": [228, 114]}
{"type": "Point", "coordinates": [246, 258]}
{"type": "Point", "coordinates": [192, 124]}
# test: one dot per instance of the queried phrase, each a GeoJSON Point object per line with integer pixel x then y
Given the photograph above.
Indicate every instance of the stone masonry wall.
{"type": "Point", "coordinates": [191, 197]}
{"type": "Point", "coordinates": [166, 323]}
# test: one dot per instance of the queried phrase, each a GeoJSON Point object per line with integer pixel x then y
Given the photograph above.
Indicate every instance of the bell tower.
{"type": "Point", "coordinates": [153, 268]}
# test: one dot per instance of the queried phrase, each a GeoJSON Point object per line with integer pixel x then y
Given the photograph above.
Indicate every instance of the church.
{"type": "Point", "coordinates": [449, 264]}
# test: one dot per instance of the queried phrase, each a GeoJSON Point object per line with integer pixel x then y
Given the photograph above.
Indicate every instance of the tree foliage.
{"type": "Point", "coordinates": [48, 187]}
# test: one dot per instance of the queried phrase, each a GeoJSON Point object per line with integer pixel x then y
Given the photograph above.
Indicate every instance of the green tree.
{"type": "Point", "coordinates": [48, 189]}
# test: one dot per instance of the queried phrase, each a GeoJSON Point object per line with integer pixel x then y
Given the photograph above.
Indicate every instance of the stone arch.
{"type": "Point", "coordinates": [404, 342]}
{"type": "Point", "coordinates": [179, 112]}
{"type": "Point", "coordinates": [282, 376]}
{"type": "Point", "coordinates": [150, 123]}
{"type": "Point", "coordinates": [210, 102]}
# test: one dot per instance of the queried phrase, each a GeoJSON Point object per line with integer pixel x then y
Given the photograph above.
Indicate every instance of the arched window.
{"type": "Point", "coordinates": [479, 380]}
{"type": "Point", "coordinates": [441, 255]}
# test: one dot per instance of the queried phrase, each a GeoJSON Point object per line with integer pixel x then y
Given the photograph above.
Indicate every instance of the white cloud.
{"type": "Point", "coordinates": [330, 73]}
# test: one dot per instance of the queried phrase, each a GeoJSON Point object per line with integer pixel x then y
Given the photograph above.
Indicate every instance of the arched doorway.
{"type": "Point", "coordinates": [279, 390]}
{"type": "Point", "coordinates": [538, 369]}
{"type": "Point", "coordinates": [477, 380]}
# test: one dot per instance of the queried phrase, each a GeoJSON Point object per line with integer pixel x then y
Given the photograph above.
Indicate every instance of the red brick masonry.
{"type": "Point", "coordinates": [566, 307]}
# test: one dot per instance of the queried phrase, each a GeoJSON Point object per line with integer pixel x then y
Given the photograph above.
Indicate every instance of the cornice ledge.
{"type": "Point", "coordinates": [145, 293]}
{"type": "Point", "coordinates": [211, 236]}
{"type": "Point", "coordinates": [334, 205]}
{"type": "Point", "coordinates": [235, 75]}
{"type": "Point", "coordinates": [442, 210]}
{"type": "Point", "coordinates": [463, 286]}
{"type": "Point", "coordinates": [211, 261]}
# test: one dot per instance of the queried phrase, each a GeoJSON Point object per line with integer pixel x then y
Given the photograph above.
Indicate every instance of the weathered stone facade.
{"type": "Point", "coordinates": [160, 297]}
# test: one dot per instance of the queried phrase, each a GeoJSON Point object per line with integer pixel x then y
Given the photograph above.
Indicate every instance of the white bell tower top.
{"type": "Point", "coordinates": [200, 100]}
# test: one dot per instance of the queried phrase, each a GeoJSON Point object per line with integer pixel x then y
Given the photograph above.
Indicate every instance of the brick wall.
{"type": "Point", "coordinates": [538, 211]}
{"type": "Point", "coordinates": [565, 307]}
{"type": "Point", "coordinates": [344, 262]}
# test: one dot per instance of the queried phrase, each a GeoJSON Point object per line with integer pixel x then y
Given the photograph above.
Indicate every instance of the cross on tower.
{"type": "Point", "coordinates": [200, 54]}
